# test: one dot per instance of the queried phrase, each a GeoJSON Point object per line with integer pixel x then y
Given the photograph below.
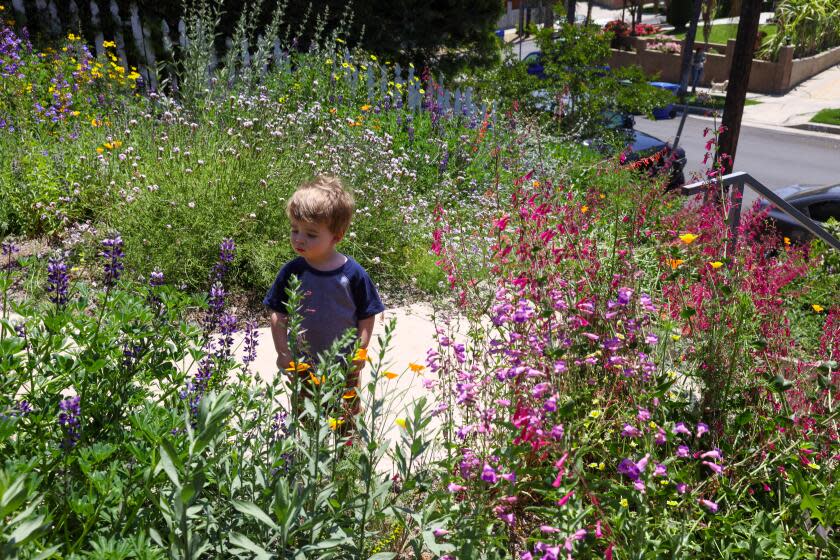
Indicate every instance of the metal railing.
{"type": "Point", "coordinates": [737, 182]}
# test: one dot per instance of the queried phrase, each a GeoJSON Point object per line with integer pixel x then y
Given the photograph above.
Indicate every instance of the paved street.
{"type": "Point", "coordinates": [775, 157]}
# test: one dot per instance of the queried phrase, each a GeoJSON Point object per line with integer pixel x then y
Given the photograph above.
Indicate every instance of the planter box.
{"type": "Point", "coordinates": [775, 78]}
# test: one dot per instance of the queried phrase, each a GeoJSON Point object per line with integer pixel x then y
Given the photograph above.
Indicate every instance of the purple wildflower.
{"type": "Point", "coordinates": [557, 431]}
{"type": "Point", "coordinates": [709, 505]}
{"type": "Point", "coordinates": [683, 451]}
{"type": "Point", "coordinates": [661, 438]}
{"type": "Point", "coordinates": [717, 469]}
{"type": "Point", "coordinates": [679, 428]}
{"type": "Point", "coordinates": [251, 341]}
{"type": "Point", "coordinates": [629, 469]}
{"type": "Point", "coordinates": [702, 429]}
{"type": "Point", "coordinates": [113, 256]}
{"type": "Point", "coordinates": [57, 281]}
{"type": "Point", "coordinates": [453, 488]}
{"type": "Point", "coordinates": [660, 470]}
{"type": "Point", "coordinates": [643, 415]}
{"type": "Point", "coordinates": [24, 407]}
{"type": "Point", "coordinates": [68, 420]}
{"type": "Point", "coordinates": [156, 278]}
{"type": "Point", "coordinates": [630, 431]}
{"type": "Point", "coordinates": [488, 474]}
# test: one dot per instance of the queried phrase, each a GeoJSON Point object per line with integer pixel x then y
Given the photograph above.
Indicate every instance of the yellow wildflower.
{"type": "Point", "coordinates": [675, 263]}
{"type": "Point", "coordinates": [400, 422]}
{"type": "Point", "coordinates": [584, 209]}
{"type": "Point", "coordinates": [351, 394]}
{"type": "Point", "coordinates": [361, 355]}
{"type": "Point", "coordinates": [818, 308]}
{"type": "Point", "coordinates": [688, 238]}
{"type": "Point", "coordinates": [716, 264]}
{"type": "Point", "coordinates": [813, 466]}
{"type": "Point", "coordinates": [624, 502]}
{"type": "Point", "coordinates": [300, 366]}
{"type": "Point", "coordinates": [787, 240]}
{"type": "Point", "coordinates": [107, 44]}
{"type": "Point", "coordinates": [672, 503]}
{"type": "Point", "coordinates": [315, 379]}
{"type": "Point", "coordinates": [334, 422]}
{"type": "Point", "coordinates": [594, 413]}
{"type": "Point", "coordinates": [373, 58]}
{"type": "Point", "coordinates": [535, 183]}
{"type": "Point", "coordinates": [390, 374]}
{"type": "Point", "coordinates": [99, 150]}
{"type": "Point", "coordinates": [416, 368]}
{"type": "Point", "coordinates": [365, 108]}
{"type": "Point", "coordinates": [601, 466]}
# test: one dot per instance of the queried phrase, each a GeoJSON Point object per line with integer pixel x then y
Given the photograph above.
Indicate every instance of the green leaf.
{"type": "Point", "coordinates": [251, 509]}
{"type": "Point", "coordinates": [383, 556]}
{"type": "Point", "coordinates": [240, 540]}
{"type": "Point", "coordinates": [169, 462]}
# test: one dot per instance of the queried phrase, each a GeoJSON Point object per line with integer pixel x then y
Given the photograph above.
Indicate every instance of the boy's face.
{"type": "Point", "coordinates": [313, 241]}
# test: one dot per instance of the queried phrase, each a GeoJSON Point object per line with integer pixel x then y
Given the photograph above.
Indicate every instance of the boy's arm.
{"type": "Point", "coordinates": [366, 330]}
{"type": "Point", "coordinates": [281, 341]}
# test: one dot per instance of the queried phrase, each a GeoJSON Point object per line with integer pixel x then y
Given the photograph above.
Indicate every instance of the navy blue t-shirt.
{"type": "Point", "coordinates": [333, 300]}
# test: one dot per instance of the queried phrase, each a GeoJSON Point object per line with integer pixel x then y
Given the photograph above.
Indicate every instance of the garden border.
{"type": "Point", "coordinates": [775, 78]}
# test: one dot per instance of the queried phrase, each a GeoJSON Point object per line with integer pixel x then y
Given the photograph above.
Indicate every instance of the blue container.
{"type": "Point", "coordinates": [669, 111]}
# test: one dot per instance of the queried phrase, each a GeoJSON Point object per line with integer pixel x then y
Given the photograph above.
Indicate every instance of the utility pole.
{"type": "Point", "coordinates": [685, 67]}
{"type": "Point", "coordinates": [739, 77]}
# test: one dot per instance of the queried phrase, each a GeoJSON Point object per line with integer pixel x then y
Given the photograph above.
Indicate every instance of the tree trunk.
{"type": "Point", "coordinates": [688, 48]}
{"type": "Point", "coordinates": [570, 11]}
{"type": "Point", "coordinates": [739, 78]}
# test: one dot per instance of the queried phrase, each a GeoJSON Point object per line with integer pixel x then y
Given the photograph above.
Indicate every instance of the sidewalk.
{"type": "Point", "coordinates": [798, 105]}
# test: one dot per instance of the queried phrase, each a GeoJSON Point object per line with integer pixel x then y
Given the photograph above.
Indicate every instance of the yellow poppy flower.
{"type": "Point", "coordinates": [675, 263]}
{"type": "Point", "coordinates": [688, 238]}
{"type": "Point", "coordinates": [361, 355]}
{"type": "Point", "coordinates": [584, 209]}
{"type": "Point", "coordinates": [351, 394]}
{"type": "Point", "coordinates": [99, 150]}
{"type": "Point", "coordinates": [390, 375]}
{"type": "Point", "coordinates": [416, 368]}
{"type": "Point", "coordinates": [315, 379]}
{"type": "Point", "coordinates": [716, 264]}
{"type": "Point", "coordinates": [300, 366]}
{"type": "Point", "coordinates": [334, 423]}
{"type": "Point", "coordinates": [108, 146]}
{"type": "Point", "coordinates": [787, 240]}
{"type": "Point", "coordinates": [365, 108]}
{"type": "Point", "coordinates": [400, 422]}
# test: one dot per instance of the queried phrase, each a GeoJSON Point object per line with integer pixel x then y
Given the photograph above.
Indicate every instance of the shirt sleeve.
{"type": "Point", "coordinates": [276, 298]}
{"type": "Point", "coordinates": [365, 296]}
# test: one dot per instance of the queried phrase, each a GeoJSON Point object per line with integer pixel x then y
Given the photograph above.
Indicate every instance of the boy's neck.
{"type": "Point", "coordinates": [329, 262]}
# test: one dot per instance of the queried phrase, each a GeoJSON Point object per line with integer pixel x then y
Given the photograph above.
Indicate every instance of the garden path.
{"type": "Point", "coordinates": [414, 334]}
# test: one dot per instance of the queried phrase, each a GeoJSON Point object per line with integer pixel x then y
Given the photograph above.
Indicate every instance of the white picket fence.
{"type": "Point", "coordinates": [377, 77]}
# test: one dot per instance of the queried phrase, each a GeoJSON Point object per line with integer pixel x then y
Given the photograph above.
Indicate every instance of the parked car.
{"type": "Point", "coordinates": [817, 202]}
{"type": "Point", "coordinates": [669, 111]}
{"type": "Point", "coordinates": [645, 152]}
{"type": "Point", "coordinates": [641, 150]}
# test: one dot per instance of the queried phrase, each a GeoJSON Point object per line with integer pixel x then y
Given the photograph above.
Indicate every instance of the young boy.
{"type": "Point", "coordinates": [337, 292]}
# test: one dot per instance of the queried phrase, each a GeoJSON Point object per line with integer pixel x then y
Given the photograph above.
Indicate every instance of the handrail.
{"type": "Point", "coordinates": [741, 179]}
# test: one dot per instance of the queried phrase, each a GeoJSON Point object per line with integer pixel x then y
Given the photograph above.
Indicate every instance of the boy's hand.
{"type": "Point", "coordinates": [283, 361]}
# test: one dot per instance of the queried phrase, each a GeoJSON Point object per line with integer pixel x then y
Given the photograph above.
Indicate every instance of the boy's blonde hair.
{"type": "Point", "coordinates": [322, 200]}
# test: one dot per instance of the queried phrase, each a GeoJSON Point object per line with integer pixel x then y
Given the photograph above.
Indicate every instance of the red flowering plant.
{"type": "Point", "coordinates": [618, 28]}
{"type": "Point", "coordinates": [621, 365]}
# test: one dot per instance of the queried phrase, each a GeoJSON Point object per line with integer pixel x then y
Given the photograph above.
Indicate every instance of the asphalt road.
{"type": "Point", "coordinates": [774, 157]}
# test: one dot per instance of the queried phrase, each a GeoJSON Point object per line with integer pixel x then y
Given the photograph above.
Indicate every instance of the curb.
{"type": "Point", "coordinates": [816, 127]}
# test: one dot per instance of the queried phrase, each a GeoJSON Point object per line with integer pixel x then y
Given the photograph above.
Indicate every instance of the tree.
{"type": "Point", "coordinates": [445, 34]}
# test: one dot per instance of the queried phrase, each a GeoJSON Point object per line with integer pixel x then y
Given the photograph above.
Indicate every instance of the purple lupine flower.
{"type": "Point", "coordinates": [113, 255]}
{"type": "Point", "coordinates": [250, 342]}
{"type": "Point", "coordinates": [227, 326]}
{"type": "Point", "coordinates": [24, 407]}
{"type": "Point", "coordinates": [68, 420]}
{"type": "Point", "coordinates": [156, 278]}
{"type": "Point", "coordinates": [227, 251]}
{"type": "Point", "coordinates": [58, 281]}
{"type": "Point", "coordinates": [217, 298]}
{"type": "Point", "coordinates": [488, 474]}
{"type": "Point", "coordinates": [8, 248]}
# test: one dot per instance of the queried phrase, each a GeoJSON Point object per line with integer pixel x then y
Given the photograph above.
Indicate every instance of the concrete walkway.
{"type": "Point", "coordinates": [798, 105]}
